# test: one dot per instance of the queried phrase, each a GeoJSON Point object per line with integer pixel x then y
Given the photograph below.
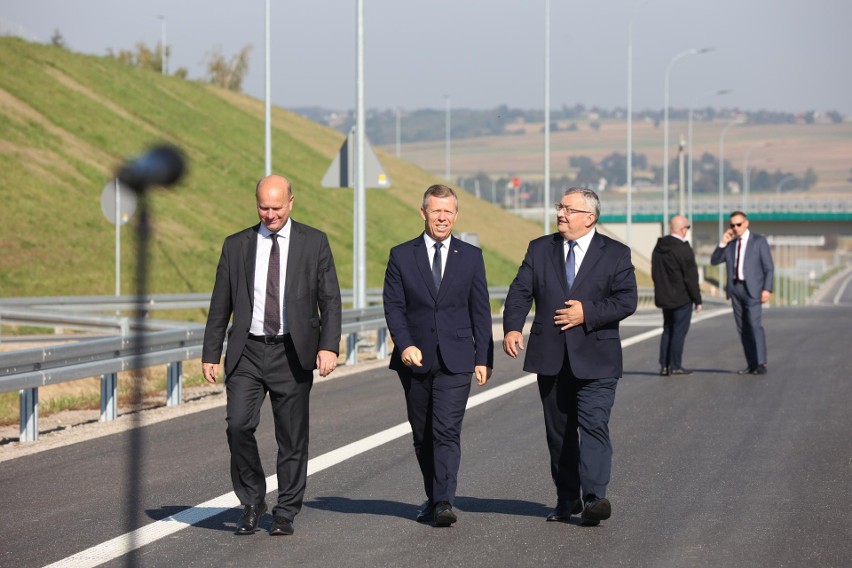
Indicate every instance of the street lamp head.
{"type": "Point", "coordinates": [724, 91]}
{"type": "Point", "coordinates": [704, 50]}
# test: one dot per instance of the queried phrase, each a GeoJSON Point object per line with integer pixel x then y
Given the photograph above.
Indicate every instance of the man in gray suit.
{"type": "Point", "coordinates": [749, 285]}
{"type": "Point", "coordinates": [278, 280]}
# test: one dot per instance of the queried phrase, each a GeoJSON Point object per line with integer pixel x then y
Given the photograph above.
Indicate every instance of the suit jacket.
{"type": "Point", "coordinates": [758, 269]}
{"type": "Point", "coordinates": [311, 296]}
{"type": "Point", "coordinates": [458, 317]}
{"type": "Point", "coordinates": [674, 273]}
{"type": "Point", "coordinates": [605, 284]}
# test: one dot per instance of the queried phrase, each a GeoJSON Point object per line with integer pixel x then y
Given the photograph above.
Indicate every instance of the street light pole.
{"type": "Point", "coordinates": [689, 158]}
{"type": "Point", "coordinates": [546, 196]}
{"type": "Point", "coordinates": [360, 284]}
{"type": "Point", "coordinates": [674, 59]}
{"type": "Point", "coordinates": [447, 141]}
{"type": "Point", "coordinates": [737, 120]}
{"type": "Point", "coordinates": [267, 102]}
{"type": "Point", "coordinates": [630, 126]}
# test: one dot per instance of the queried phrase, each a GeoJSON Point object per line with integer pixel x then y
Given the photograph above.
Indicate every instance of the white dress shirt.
{"type": "Point", "coordinates": [261, 267]}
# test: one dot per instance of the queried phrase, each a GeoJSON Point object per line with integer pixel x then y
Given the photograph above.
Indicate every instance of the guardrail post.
{"type": "Point", "coordinates": [174, 383]}
{"type": "Point", "coordinates": [29, 414]}
{"type": "Point", "coordinates": [351, 348]}
{"type": "Point", "coordinates": [382, 343]}
{"type": "Point", "coordinates": [109, 397]}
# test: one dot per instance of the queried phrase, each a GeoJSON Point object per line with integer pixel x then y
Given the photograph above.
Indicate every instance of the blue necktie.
{"type": "Point", "coordinates": [436, 266]}
{"type": "Point", "coordinates": [570, 263]}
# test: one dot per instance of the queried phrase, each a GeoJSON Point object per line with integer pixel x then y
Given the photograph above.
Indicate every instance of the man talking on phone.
{"type": "Point", "coordinates": [749, 285]}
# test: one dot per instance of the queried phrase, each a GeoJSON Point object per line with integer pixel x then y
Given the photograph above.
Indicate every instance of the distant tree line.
{"type": "Point", "coordinates": [611, 172]}
{"type": "Point", "coordinates": [429, 124]}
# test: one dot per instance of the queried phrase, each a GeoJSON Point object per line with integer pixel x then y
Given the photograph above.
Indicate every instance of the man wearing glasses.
{"type": "Point", "coordinates": [583, 284]}
{"type": "Point", "coordinates": [749, 285]}
{"type": "Point", "coordinates": [439, 316]}
{"type": "Point", "coordinates": [676, 290]}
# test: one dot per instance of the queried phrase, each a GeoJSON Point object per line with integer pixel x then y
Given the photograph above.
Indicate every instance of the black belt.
{"type": "Point", "coordinates": [269, 339]}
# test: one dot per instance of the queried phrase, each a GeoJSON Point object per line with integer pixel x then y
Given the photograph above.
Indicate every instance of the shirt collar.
{"type": "Point", "coordinates": [283, 232]}
{"type": "Point", "coordinates": [430, 242]}
{"type": "Point", "coordinates": [584, 241]}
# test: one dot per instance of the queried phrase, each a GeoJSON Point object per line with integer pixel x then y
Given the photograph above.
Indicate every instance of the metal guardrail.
{"type": "Point", "coordinates": [159, 342]}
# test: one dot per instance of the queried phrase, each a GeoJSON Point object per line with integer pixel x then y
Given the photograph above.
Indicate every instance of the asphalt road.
{"type": "Point", "coordinates": [713, 469]}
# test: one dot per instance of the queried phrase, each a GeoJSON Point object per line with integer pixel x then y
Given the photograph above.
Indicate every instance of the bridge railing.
{"type": "Point", "coordinates": [133, 345]}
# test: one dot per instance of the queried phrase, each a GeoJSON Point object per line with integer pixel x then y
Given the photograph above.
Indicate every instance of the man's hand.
{"type": "Point", "coordinates": [513, 342]}
{"type": "Point", "coordinates": [764, 296]}
{"type": "Point", "coordinates": [326, 362]}
{"type": "Point", "coordinates": [698, 308]}
{"type": "Point", "coordinates": [482, 373]}
{"type": "Point", "coordinates": [210, 372]}
{"type": "Point", "coordinates": [570, 316]}
{"type": "Point", "coordinates": [412, 357]}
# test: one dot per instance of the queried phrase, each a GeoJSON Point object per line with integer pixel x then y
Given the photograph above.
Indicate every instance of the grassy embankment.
{"type": "Point", "coordinates": [68, 120]}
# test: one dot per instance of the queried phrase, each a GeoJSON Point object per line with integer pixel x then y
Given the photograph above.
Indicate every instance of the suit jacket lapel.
{"type": "Point", "coordinates": [557, 256]}
{"type": "Point", "coordinates": [592, 256]}
{"type": "Point", "coordinates": [295, 249]}
{"type": "Point", "coordinates": [454, 261]}
{"type": "Point", "coordinates": [249, 252]}
{"type": "Point", "coordinates": [421, 260]}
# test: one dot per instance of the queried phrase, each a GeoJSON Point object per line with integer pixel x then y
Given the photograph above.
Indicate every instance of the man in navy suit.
{"type": "Point", "coordinates": [749, 286]}
{"type": "Point", "coordinates": [583, 284]}
{"type": "Point", "coordinates": [439, 316]}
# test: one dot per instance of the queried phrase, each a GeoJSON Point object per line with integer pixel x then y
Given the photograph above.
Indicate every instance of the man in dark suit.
{"type": "Point", "coordinates": [750, 273]}
{"type": "Point", "coordinates": [583, 284]}
{"type": "Point", "coordinates": [439, 316]}
{"type": "Point", "coordinates": [279, 282]}
{"type": "Point", "coordinates": [676, 290]}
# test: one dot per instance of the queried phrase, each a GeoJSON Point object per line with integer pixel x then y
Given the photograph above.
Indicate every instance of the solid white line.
{"type": "Point", "coordinates": [121, 545]}
{"type": "Point", "coordinates": [842, 289]}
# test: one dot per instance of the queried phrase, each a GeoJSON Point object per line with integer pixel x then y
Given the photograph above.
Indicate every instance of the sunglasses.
{"type": "Point", "coordinates": [736, 225]}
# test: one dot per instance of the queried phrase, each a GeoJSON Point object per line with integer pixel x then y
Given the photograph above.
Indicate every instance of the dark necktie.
{"type": "Point", "coordinates": [570, 264]}
{"type": "Point", "coordinates": [737, 261]}
{"type": "Point", "coordinates": [436, 266]}
{"type": "Point", "coordinates": [272, 313]}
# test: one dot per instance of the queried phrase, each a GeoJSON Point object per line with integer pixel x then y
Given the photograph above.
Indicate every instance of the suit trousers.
{"type": "Point", "coordinates": [675, 327]}
{"type": "Point", "coordinates": [576, 420]}
{"type": "Point", "coordinates": [274, 369]}
{"type": "Point", "coordinates": [435, 402]}
{"type": "Point", "coordinates": [748, 315]}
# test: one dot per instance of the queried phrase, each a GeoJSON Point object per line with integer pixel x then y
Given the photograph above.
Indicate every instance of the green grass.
{"type": "Point", "coordinates": [67, 121]}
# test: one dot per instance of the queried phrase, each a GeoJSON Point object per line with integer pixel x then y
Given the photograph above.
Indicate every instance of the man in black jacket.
{"type": "Point", "coordinates": [675, 291]}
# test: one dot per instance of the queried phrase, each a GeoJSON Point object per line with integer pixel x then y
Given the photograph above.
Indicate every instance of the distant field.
{"type": "Point", "coordinates": [827, 148]}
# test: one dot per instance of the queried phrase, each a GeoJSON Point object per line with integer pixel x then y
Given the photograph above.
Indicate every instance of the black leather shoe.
{"type": "Point", "coordinates": [664, 371]}
{"type": "Point", "coordinates": [759, 370]}
{"type": "Point", "coordinates": [444, 515]}
{"type": "Point", "coordinates": [427, 513]}
{"type": "Point", "coordinates": [251, 515]}
{"type": "Point", "coordinates": [680, 371]}
{"type": "Point", "coordinates": [747, 371]}
{"type": "Point", "coordinates": [564, 509]}
{"type": "Point", "coordinates": [595, 511]}
{"type": "Point", "coordinates": [281, 526]}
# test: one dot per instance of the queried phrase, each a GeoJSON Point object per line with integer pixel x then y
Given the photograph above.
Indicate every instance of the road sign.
{"type": "Point", "coordinates": [341, 173]}
{"type": "Point", "coordinates": [125, 198]}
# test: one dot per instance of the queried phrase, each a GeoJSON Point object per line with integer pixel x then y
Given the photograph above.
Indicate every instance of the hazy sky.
{"type": "Point", "coordinates": [780, 55]}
